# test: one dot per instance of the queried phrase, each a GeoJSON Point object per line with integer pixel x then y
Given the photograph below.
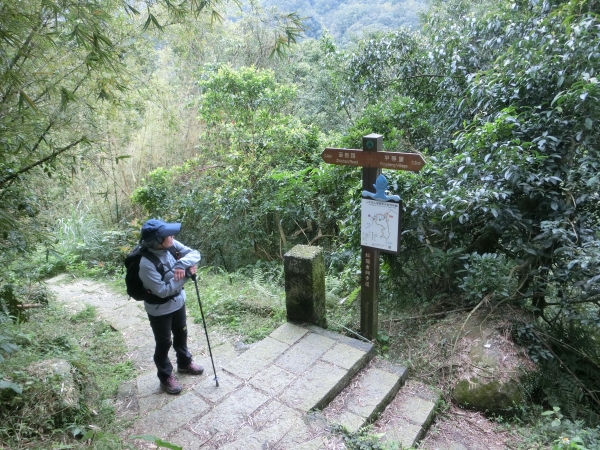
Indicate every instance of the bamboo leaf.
{"type": "Point", "coordinates": [23, 97]}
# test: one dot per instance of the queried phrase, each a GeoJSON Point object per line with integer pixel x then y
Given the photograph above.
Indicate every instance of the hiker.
{"type": "Point", "coordinates": [170, 316]}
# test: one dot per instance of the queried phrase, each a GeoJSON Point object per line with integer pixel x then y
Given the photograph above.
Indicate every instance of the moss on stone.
{"type": "Point", "coordinates": [493, 397]}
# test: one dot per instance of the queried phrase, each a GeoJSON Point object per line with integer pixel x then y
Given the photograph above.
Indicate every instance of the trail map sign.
{"type": "Point", "coordinates": [380, 225]}
{"type": "Point", "coordinates": [380, 214]}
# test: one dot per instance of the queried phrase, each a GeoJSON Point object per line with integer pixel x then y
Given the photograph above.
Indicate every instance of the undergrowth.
{"type": "Point", "coordinates": [250, 303]}
{"type": "Point", "coordinates": [42, 409]}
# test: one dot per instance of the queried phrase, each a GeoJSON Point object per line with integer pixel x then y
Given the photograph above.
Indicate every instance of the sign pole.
{"type": "Point", "coordinates": [370, 256]}
{"type": "Point", "coordinates": [372, 159]}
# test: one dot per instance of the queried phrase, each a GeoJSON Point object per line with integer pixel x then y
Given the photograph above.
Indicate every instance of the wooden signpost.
{"type": "Point", "coordinates": [372, 160]}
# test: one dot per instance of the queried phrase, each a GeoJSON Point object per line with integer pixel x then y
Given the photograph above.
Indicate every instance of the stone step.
{"type": "Point", "coordinates": [366, 395]}
{"type": "Point", "coordinates": [399, 410]}
{"type": "Point", "coordinates": [409, 415]}
{"type": "Point", "coordinates": [304, 366]}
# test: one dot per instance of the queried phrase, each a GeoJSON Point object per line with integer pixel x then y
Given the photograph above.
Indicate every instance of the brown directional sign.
{"type": "Point", "coordinates": [378, 160]}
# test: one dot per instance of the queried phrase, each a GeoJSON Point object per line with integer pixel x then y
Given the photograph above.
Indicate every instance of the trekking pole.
{"type": "Point", "coordinates": [205, 330]}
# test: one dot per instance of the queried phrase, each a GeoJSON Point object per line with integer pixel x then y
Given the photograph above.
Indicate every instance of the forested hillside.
{"type": "Point", "coordinates": [113, 112]}
{"type": "Point", "coordinates": [348, 20]}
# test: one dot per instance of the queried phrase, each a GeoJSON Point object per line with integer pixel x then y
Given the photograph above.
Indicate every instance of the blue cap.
{"type": "Point", "coordinates": [157, 228]}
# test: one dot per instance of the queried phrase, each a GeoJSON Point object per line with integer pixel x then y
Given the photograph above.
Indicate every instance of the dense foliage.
{"type": "Point", "coordinates": [61, 63]}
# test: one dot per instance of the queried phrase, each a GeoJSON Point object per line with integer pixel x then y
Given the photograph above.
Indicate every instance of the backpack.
{"type": "Point", "coordinates": [135, 288]}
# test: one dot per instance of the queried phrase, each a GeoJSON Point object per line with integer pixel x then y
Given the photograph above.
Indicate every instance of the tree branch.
{"type": "Point", "coordinates": [41, 161]}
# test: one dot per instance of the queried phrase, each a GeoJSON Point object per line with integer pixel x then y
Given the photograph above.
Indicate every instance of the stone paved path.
{"type": "Point", "coordinates": [266, 392]}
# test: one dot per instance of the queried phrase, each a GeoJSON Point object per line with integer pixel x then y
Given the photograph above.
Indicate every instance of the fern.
{"type": "Point", "coordinates": [259, 282]}
{"type": "Point", "coordinates": [333, 285]}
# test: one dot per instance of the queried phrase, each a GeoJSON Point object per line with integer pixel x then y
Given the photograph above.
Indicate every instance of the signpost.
{"type": "Point", "coordinates": [373, 158]}
{"type": "Point", "coordinates": [378, 211]}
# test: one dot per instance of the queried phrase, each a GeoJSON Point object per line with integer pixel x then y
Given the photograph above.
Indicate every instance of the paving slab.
{"type": "Point", "coordinates": [269, 425]}
{"type": "Point", "coordinates": [289, 333]}
{"type": "Point", "coordinates": [181, 410]}
{"type": "Point", "coordinates": [256, 358]}
{"type": "Point", "coordinates": [209, 390]}
{"type": "Point", "coordinates": [232, 412]}
{"type": "Point", "coordinates": [345, 356]}
{"type": "Point", "coordinates": [300, 435]}
{"type": "Point", "coordinates": [152, 402]}
{"type": "Point", "coordinates": [272, 380]}
{"type": "Point", "coordinates": [138, 334]}
{"type": "Point", "coordinates": [352, 422]}
{"type": "Point", "coordinates": [367, 395]}
{"type": "Point", "coordinates": [304, 353]}
{"type": "Point", "coordinates": [359, 344]}
{"type": "Point", "coordinates": [143, 358]}
{"type": "Point", "coordinates": [185, 439]}
{"type": "Point", "coordinates": [376, 387]}
{"type": "Point", "coordinates": [406, 433]}
{"type": "Point", "coordinates": [148, 384]}
{"type": "Point", "coordinates": [416, 409]}
{"type": "Point", "coordinates": [409, 415]}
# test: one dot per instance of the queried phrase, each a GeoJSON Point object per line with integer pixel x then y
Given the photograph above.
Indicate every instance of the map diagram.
{"type": "Point", "coordinates": [380, 224]}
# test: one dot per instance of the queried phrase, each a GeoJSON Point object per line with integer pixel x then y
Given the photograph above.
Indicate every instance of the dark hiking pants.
{"type": "Point", "coordinates": [163, 326]}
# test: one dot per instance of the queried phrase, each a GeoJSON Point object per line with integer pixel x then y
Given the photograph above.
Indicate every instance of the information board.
{"type": "Point", "coordinates": [380, 225]}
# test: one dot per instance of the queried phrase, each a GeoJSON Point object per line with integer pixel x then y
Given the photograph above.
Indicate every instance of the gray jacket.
{"type": "Point", "coordinates": [166, 287]}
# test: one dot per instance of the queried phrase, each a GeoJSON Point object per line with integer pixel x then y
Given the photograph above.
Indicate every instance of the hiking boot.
{"type": "Point", "coordinates": [192, 368]}
{"type": "Point", "coordinates": [171, 385]}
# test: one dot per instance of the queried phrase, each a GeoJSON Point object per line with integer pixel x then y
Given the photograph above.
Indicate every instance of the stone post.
{"type": "Point", "coordinates": [304, 268]}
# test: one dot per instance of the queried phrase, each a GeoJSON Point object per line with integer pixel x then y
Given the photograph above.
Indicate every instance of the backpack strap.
{"type": "Point", "coordinates": [160, 268]}
{"type": "Point", "coordinates": [175, 253]}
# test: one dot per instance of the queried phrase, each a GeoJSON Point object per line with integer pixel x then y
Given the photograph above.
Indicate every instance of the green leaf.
{"type": "Point", "coordinates": [9, 347]}
{"type": "Point", "coordinates": [8, 385]}
{"type": "Point", "coordinates": [157, 441]}
{"type": "Point", "coordinates": [588, 123]}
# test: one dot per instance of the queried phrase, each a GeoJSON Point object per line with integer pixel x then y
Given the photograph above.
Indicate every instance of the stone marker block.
{"type": "Point", "coordinates": [304, 268]}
